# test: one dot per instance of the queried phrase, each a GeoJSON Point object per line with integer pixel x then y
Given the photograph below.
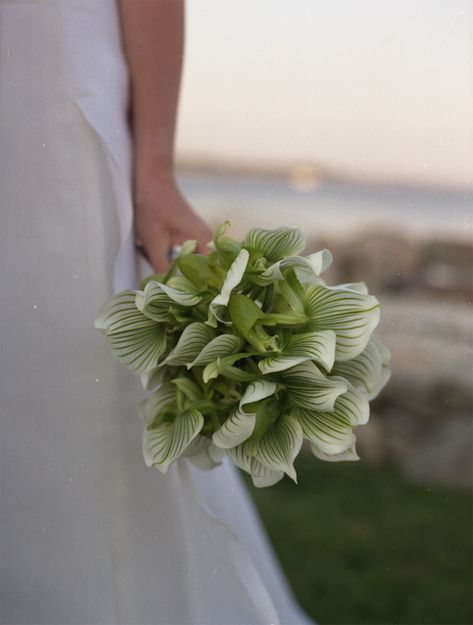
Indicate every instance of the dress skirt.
{"type": "Point", "coordinates": [90, 535]}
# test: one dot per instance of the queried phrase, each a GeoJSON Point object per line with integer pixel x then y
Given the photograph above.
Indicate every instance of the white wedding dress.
{"type": "Point", "coordinates": [89, 534]}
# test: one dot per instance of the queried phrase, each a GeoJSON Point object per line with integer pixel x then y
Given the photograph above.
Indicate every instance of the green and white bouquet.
{"type": "Point", "coordinates": [249, 353]}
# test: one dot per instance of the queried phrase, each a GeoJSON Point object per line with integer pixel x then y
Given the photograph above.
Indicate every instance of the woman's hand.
{"type": "Point", "coordinates": [163, 218]}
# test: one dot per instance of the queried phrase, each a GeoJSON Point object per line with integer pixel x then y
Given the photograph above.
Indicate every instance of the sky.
{"type": "Point", "coordinates": [378, 89]}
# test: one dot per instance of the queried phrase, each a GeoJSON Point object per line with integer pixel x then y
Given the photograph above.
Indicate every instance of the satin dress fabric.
{"type": "Point", "coordinates": [89, 534]}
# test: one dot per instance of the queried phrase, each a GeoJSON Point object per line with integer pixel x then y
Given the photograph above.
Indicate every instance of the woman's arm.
{"type": "Point", "coordinates": [153, 38]}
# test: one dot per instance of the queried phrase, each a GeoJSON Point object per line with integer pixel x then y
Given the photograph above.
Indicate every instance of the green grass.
{"type": "Point", "coordinates": [363, 546]}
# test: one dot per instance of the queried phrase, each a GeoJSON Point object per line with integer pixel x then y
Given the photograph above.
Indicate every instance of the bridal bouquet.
{"type": "Point", "coordinates": [249, 353]}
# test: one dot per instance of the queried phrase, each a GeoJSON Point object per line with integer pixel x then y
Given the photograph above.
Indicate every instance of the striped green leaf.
{"type": "Point", "coordinates": [309, 388]}
{"type": "Point", "coordinates": [351, 315]}
{"type": "Point", "coordinates": [347, 455]}
{"type": "Point", "coordinates": [154, 302]}
{"type": "Point", "coordinates": [150, 407]}
{"type": "Point", "coordinates": [332, 432]}
{"type": "Point", "coordinates": [275, 244]}
{"type": "Point", "coordinates": [314, 263]}
{"type": "Point", "coordinates": [366, 372]}
{"type": "Point", "coordinates": [224, 366]}
{"type": "Point", "coordinates": [256, 391]}
{"type": "Point", "coordinates": [279, 446]}
{"type": "Point", "coordinates": [136, 340]}
{"type": "Point", "coordinates": [203, 453]}
{"type": "Point", "coordinates": [152, 378]}
{"type": "Point", "coordinates": [164, 444]}
{"type": "Point", "coordinates": [181, 290]}
{"type": "Point", "coordinates": [191, 342]}
{"type": "Point", "coordinates": [260, 475]}
{"type": "Point", "coordinates": [236, 428]}
{"type": "Point", "coordinates": [232, 279]}
{"type": "Point", "coordinates": [222, 345]}
{"type": "Point", "coordinates": [317, 346]}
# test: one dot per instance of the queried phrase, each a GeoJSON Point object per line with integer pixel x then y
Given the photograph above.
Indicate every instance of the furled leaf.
{"type": "Point", "coordinates": [279, 446]}
{"type": "Point", "coordinates": [343, 456]}
{"type": "Point", "coordinates": [136, 340]}
{"type": "Point", "coordinates": [314, 263]}
{"type": "Point", "coordinates": [332, 432]}
{"type": "Point", "coordinates": [150, 408]}
{"type": "Point", "coordinates": [232, 279]}
{"type": "Point", "coordinates": [275, 244]}
{"type": "Point", "coordinates": [182, 291]}
{"type": "Point", "coordinates": [351, 315]}
{"type": "Point", "coordinates": [309, 388]}
{"type": "Point", "coordinates": [191, 342]}
{"type": "Point", "coordinates": [166, 443]}
{"type": "Point", "coordinates": [366, 372]}
{"type": "Point", "coordinates": [317, 346]}
{"type": "Point", "coordinates": [154, 302]}
{"type": "Point", "coordinates": [222, 345]}
{"type": "Point", "coordinates": [260, 475]}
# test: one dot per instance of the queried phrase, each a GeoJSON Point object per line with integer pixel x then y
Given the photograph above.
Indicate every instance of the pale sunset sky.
{"type": "Point", "coordinates": [381, 89]}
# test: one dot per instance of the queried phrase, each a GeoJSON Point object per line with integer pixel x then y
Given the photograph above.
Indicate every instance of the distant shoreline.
{"type": "Point", "coordinates": [312, 174]}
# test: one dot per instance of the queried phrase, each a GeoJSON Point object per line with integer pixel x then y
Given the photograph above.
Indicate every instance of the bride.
{"type": "Point", "coordinates": [89, 534]}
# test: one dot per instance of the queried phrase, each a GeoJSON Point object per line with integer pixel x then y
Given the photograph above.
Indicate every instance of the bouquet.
{"type": "Point", "coordinates": [249, 352]}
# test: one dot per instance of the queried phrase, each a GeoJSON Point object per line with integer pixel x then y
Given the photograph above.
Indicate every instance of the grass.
{"type": "Point", "coordinates": [363, 546]}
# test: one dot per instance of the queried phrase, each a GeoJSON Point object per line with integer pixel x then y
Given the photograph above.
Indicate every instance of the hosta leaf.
{"type": "Point", "coordinates": [307, 387]}
{"type": "Point", "coordinates": [232, 279]}
{"type": "Point", "coordinates": [236, 428]}
{"type": "Point", "coordinates": [136, 340]}
{"type": "Point", "coordinates": [366, 372]}
{"type": "Point", "coordinates": [359, 287]}
{"type": "Point", "coordinates": [256, 391]}
{"type": "Point", "coordinates": [314, 263]}
{"type": "Point", "coordinates": [191, 342]}
{"type": "Point", "coordinates": [154, 302]}
{"type": "Point", "coordinates": [149, 408]}
{"type": "Point", "coordinates": [332, 432]}
{"type": "Point", "coordinates": [166, 443]}
{"type": "Point", "coordinates": [279, 446]}
{"type": "Point", "coordinates": [347, 455]}
{"type": "Point", "coordinates": [203, 453]}
{"type": "Point", "coordinates": [260, 475]}
{"type": "Point", "coordinates": [275, 244]}
{"type": "Point", "coordinates": [351, 315]}
{"type": "Point", "coordinates": [224, 366]}
{"type": "Point", "coordinates": [240, 424]}
{"type": "Point", "coordinates": [318, 346]}
{"type": "Point", "coordinates": [181, 290]}
{"type": "Point", "coordinates": [222, 345]}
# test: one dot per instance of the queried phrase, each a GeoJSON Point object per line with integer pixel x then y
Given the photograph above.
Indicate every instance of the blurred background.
{"type": "Point", "coordinates": [353, 119]}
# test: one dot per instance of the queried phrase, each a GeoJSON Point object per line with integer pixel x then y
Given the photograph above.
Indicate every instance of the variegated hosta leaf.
{"type": "Point", "coordinates": [359, 287]}
{"type": "Point", "coordinates": [279, 446]}
{"type": "Point", "coordinates": [203, 453]}
{"type": "Point", "coordinates": [366, 372]}
{"type": "Point", "coordinates": [351, 315]}
{"type": "Point", "coordinates": [256, 391]}
{"type": "Point", "coordinates": [343, 456]}
{"type": "Point", "coordinates": [275, 244]}
{"type": "Point", "coordinates": [309, 388]}
{"type": "Point", "coordinates": [136, 340]}
{"type": "Point", "coordinates": [260, 475]}
{"type": "Point", "coordinates": [150, 407]}
{"type": "Point", "coordinates": [332, 432]}
{"type": "Point", "coordinates": [318, 346]}
{"type": "Point", "coordinates": [314, 263]}
{"type": "Point", "coordinates": [222, 345]}
{"type": "Point", "coordinates": [164, 444]}
{"type": "Point", "coordinates": [154, 302]}
{"type": "Point", "coordinates": [240, 424]}
{"type": "Point", "coordinates": [236, 428]}
{"type": "Point", "coordinates": [181, 290]}
{"type": "Point", "coordinates": [191, 342]}
{"type": "Point", "coordinates": [232, 279]}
